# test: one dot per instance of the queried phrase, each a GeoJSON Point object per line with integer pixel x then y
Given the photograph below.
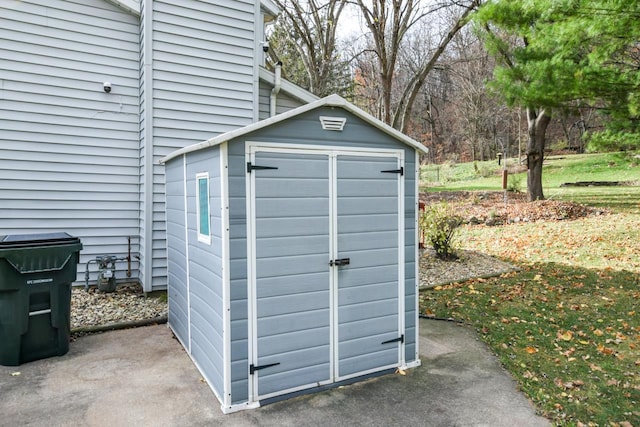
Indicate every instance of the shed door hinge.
{"type": "Point", "coordinates": [251, 167]}
{"type": "Point", "coordinates": [253, 368]}
{"type": "Point", "coordinates": [400, 339]}
{"type": "Point", "coordinates": [400, 171]}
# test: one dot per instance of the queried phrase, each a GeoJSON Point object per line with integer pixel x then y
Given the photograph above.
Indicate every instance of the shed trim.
{"type": "Point", "coordinates": [401, 263]}
{"type": "Point", "coordinates": [186, 251]}
{"type": "Point", "coordinates": [329, 101]}
{"type": "Point", "coordinates": [416, 249]}
{"type": "Point", "coordinates": [226, 276]}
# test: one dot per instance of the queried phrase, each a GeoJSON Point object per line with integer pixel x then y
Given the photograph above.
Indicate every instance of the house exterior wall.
{"type": "Point", "coordinates": [284, 102]}
{"type": "Point", "coordinates": [203, 85]}
{"type": "Point", "coordinates": [74, 158]}
{"type": "Point", "coordinates": [68, 150]}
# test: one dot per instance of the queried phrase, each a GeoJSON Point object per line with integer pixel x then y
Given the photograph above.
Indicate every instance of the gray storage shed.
{"type": "Point", "coordinates": [292, 253]}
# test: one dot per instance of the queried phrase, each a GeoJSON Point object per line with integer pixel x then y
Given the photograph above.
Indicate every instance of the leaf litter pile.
{"type": "Point", "coordinates": [565, 325]}
{"type": "Point", "coordinates": [489, 207]}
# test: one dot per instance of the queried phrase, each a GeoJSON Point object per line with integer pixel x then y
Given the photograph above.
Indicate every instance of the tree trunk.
{"type": "Point", "coordinates": [538, 119]}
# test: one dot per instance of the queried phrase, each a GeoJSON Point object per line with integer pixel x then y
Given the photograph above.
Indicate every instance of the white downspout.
{"type": "Point", "coordinates": [276, 88]}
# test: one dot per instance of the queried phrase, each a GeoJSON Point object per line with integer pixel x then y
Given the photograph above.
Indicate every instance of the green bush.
{"type": "Point", "coordinates": [514, 183]}
{"type": "Point", "coordinates": [439, 224]}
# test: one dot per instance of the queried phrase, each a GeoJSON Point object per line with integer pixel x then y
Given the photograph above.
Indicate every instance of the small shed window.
{"type": "Point", "coordinates": [204, 224]}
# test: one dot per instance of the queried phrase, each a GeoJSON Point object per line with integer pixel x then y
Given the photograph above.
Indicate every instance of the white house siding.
{"type": "Point", "coordinates": [69, 158]}
{"type": "Point", "coordinates": [284, 101]}
{"type": "Point", "coordinates": [203, 85]}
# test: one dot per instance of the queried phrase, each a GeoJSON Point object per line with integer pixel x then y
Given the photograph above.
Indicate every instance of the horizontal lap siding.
{"type": "Point", "coordinates": [68, 150]}
{"type": "Point", "coordinates": [284, 102]}
{"type": "Point", "coordinates": [205, 271]}
{"type": "Point", "coordinates": [176, 251]}
{"type": "Point", "coordinates": [203, 85]}
{"type": "Point", "coordinates": [238, 260]}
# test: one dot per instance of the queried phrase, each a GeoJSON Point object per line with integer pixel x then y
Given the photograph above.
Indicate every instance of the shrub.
{"type": "Point", "coordinates": [515, 183]}
{"type": "Point", "coordinates": [439, 224]}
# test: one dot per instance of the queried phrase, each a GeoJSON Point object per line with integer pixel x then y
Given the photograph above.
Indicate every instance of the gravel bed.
{"type": "Point", "coordinates": [127, 303]}
{"type": "Point", "coordinates": [469, 265]}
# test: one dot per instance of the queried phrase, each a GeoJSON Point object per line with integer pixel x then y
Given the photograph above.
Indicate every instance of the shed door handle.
{"type": "Point", "coordinates": [341, 261]}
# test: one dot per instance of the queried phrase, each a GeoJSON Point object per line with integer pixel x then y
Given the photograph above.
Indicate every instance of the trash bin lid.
{"type": "Point", "coordinates": [38, 239]}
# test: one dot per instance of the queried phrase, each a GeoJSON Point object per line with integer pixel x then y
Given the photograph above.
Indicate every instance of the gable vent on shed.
{"type": "Point", "coordinates": [333, 123]}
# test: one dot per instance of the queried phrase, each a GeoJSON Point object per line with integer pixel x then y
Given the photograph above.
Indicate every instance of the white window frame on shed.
{"type": "Point", "coordinates": [202, 237]}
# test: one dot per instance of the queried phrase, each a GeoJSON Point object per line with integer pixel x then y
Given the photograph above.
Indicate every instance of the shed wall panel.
{"type": "Point", "coordinates": [205, 270]}
{"type": "Point", "coordinates": [177, 251]}
{"type": "Point", "coordinates": [238, 260]}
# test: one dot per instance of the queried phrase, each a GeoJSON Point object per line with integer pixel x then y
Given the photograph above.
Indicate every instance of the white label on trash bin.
{"type": "Point", "coordinates": [39, 281]}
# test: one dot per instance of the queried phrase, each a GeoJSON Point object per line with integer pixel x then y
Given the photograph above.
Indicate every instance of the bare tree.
{"type": "Point", "coordinates": [311, 26]}
{"type": "Point", "coordinates": [389, 22]}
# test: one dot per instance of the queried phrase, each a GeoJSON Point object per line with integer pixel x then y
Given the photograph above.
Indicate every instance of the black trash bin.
{"type": "Point", "coordinates": [36, 272]}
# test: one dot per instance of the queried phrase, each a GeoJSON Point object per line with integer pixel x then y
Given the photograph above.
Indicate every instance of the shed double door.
{"type": "Point", "coordinates": [326, 266]}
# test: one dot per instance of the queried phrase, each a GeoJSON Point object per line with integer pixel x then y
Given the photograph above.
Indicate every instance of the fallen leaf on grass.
{"type": "Point", "coordinates": [605, 350]}
{"type": "Point", "coordinates": [531, 350]}
{"type": "Point", "coordinates": [565, 336]}
{"type": "Point", "coordinates": [401, 371]}
{"type": "Point", "coordinates": [595, 367]}
{"type": "Point", "coordinates": [569, 385]}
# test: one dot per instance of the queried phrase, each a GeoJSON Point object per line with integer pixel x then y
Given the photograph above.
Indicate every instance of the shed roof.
{"type": "Point", "coordinates": [329, 101]}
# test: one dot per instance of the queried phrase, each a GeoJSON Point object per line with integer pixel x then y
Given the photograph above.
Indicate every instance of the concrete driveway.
{"type": "Point", "coordinates": [143, 377]}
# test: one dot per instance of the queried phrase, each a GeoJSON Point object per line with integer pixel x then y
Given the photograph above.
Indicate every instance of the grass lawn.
{"type": "Point", "coordinates": [566, 325]}
{"type": "Point", "coordinates": [556, 171]}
